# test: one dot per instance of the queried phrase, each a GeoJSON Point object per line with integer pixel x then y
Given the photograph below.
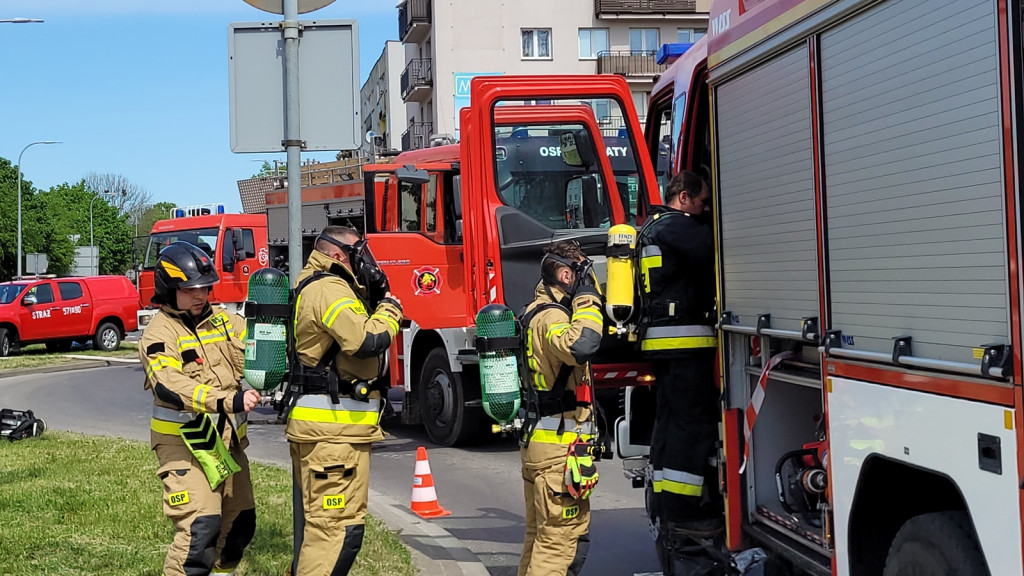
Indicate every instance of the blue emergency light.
{"type": "Point", "coordinates": [179, 213]}
{"type": "Point", "coordinates": [669, 52]}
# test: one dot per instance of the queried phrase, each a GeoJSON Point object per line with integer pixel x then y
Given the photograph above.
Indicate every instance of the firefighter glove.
{"type": "Point", "coordinates": [580, 470]}
{"type": "Point", "coordinates": [586, 295]}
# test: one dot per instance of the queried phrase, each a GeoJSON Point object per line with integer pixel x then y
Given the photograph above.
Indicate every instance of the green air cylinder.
{"type": "Point", "coordinates": [499, 369]}
{"type": "Point", "coordinates": [266, 334]}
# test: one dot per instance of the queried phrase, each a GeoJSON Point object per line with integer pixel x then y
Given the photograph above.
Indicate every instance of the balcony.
{"type": "Point", "coordinates": [417, 136]}
{"type": "Point", "coordinates": [417, 80]}
{"type": "Point", "coordinates": [614, 8]}
{"type": "Point", "coordinates": [638, 65]}
{"type": "Point", "coordinates": [414, 21]}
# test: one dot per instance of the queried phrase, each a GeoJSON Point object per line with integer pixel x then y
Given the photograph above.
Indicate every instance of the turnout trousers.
{"type": "Point", "coordinates": [211, 527]}
{"type": "Point", "coordinates": [685, 432]}
{"type": "Point", "coordinates": [332, 481]}
{"type": "Point", "coordinates": [557, 525]}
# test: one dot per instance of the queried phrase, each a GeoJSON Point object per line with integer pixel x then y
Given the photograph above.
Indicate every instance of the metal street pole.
{"type": "Point", "coordinates": [19, 194]}
{"type": "Point", "coordinates": [292, 142]}
{"type": "Point", "coordinates": [20, 20]}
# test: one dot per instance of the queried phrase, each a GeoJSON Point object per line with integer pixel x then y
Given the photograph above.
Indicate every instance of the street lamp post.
{"type": "Point", "coordinates": [20, 20]}
{"type": "Point", "coordinates": [92, 243]}
{"type": "Point", "coordinates": [19, 194]}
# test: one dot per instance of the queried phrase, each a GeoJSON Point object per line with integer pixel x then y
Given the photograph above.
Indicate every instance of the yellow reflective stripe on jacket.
{"type": "Point", "coordinates": [557, 329]}
{"type": "Point", "coordinates": [650, 257]}
{"type": "Point", "coordinates": [199, 398]}
{"type": "Point", "coordinates": [539, 382]}
{"type": "Point", "coordinates": [679, 338]}
{"type": "Point", "coordinates": [204, 337]}
{"type": "Point", "coordinates": [392, 323]}
{"type": "Point", "coordinates": [318, 408]}
{"type": "Point", "coordinates": [168, 421]}
{"type": "Point", "coordinates": [589, 313]}
{"type": "Point", "coordinates": [161, 362]}
{"type": "Point", "coordinates": [334, 309]}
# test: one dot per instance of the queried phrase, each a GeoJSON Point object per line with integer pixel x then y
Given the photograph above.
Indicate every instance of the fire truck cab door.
{"type": "Point", "coordinates": [538, 168]}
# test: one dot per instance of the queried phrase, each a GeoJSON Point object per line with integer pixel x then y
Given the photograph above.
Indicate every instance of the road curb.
{"type": "Point", "coordinates": [76, 365]}
{"type": "Point", "coordinates": [434, 550]}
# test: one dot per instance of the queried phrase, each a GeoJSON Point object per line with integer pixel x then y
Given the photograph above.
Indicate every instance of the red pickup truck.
{"type": "Point", "coordinates": [61, 311]}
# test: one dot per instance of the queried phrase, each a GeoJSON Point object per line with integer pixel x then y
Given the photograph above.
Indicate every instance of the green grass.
{"type": "Point", "coordinates": [36, 355]}
{"type": "Point", "coordinates": [74, 505]}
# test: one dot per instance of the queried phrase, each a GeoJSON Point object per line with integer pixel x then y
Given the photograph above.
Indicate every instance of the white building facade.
{"type": "Point", "coordinates": [381, 100]}
{"type": "Point", "coordinates": [450, 41]}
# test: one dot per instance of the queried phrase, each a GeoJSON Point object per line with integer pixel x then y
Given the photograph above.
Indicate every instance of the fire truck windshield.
{"type": "Point", "coordinates": [9, 292]}
{"type": "Point", "coordinates": [204, 238]}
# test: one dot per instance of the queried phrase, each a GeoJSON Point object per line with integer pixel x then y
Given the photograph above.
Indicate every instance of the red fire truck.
{"type": "Point", "coordinates": [237, 243]}
{"type": "Point", "coordinates": [471, 228]}
{"type": "Point", "coordinates": [864, 158]}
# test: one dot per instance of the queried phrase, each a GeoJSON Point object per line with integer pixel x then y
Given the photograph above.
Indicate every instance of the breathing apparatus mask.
{"type": "Point", "coordinates": [364, 266]}
{"type": "Point", "coordinates": [583, 272]}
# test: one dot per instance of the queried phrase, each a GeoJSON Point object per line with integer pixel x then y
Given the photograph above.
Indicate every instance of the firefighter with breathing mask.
{"type": "Point", "coordinates": [345, 321]}
{"type": "Point", "coordinates": [193, 357]}
{"type": "Point", "coordinates": [563, 330]}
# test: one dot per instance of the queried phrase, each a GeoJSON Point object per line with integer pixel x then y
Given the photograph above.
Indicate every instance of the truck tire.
{"type": "Point", "coordinates": [59, 345]}
{"type": "Point", "coordinates": [936, 544]}
{"type": "Point", "coordinates": [5, 343]}
{"type": "Point", "coordinates": [108, 337]}
{"type": "Point", "coordinates": [442, 399]}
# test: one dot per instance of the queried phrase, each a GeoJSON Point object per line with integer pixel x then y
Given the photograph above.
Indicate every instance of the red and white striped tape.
{"type": "Point", "coordinates": [756, 400]}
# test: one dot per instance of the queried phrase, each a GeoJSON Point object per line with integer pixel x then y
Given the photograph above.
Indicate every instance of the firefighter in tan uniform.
{"type": "Point", "coordinates": [563, 326]}
{"type": "Point", "coordinates": [334, 411]}
{"type": "Point", "coordinates": [193, 358]}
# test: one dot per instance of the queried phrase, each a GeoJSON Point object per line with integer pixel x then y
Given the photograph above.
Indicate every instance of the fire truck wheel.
{"type": "Point", "coordinates": [937, 544]}
{"type": "Point", "coordinates": [443, 398]}
{"type": "Point", "coordinates": [108, 337]}
{"type": "Point", "coordinates": [5, 343]}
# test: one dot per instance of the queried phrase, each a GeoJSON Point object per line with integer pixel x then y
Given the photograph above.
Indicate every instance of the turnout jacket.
{"type": "Point", "coordinates": [554, 338]}
{"type": "Point", "coordinates": [677, 266]}
{"type": "Point", "coordinates": [194, 365]}
{"type": "Point", "coordinates": [333, 309]}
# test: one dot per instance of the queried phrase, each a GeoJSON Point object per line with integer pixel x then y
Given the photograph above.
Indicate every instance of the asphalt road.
{"type": "Point", "coordinates": [481, 485]}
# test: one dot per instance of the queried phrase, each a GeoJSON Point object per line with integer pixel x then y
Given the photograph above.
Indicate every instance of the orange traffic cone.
{"type": "Point", "coordinates": [424, 497]}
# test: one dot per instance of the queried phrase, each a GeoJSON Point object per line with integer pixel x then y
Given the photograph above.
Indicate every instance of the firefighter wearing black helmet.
{"type": "Point", "coordinates": [193, 358]}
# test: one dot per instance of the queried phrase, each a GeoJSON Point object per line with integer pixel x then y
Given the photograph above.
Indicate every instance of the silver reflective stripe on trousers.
{"type": "Point", "coordinates": [551, 423]}
{"type": "Point", "coordinates": [323, 402]}
{"type": "Point", "coordinates": [678, 331]}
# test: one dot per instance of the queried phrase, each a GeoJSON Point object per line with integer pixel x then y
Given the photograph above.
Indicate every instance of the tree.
{"type": "Point", "coordinates": [134, 195]}
{"type": "Point", "coordinates": [266, 170]}
{"type": "Point", "coordinates": [40, 231]}
{"type": "Point", "coordinates": [67, 206]}
{"type": "Point", "coordinates": [153, 214]}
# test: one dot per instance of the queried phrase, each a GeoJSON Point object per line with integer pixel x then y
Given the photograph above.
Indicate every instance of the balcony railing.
{"type": "Point", "coordinates": [417, 136]}
{"type": "Point", "coordinates": [629, 64]}
{"type": "Point", "coordinates": [614, 7]}
{"type": "Point", "coordinates": [414, 19]}
{"type": "Point", "coordinates": [417, 80]}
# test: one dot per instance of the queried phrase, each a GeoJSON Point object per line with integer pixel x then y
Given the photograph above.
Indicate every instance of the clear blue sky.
{"type": "Point", "coordinates": [140, 88]}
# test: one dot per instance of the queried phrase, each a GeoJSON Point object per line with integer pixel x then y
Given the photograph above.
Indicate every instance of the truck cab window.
{"type": "Point", "coordinates": [42, 292]}
{"type": "Point", "coordinates": [203, 238]}
{"type": "Point", "coordinates": [250, 243]}
{"type": "Point", "coordinates": [69, 290]}
{"type": "Point", "coordinates": [533, 177]}
{"type": "Point", "coordinates": [409, 214]}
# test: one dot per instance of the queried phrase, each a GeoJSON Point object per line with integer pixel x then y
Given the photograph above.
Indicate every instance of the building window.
{"type": "Point", "coordinates": [593, 41]}
{"type": "Point", "coordinates": [689, 35]}
{"type": "Point", "coordinates": [643, 39]}
{"type": "Point", "coordinates": [537, 43]}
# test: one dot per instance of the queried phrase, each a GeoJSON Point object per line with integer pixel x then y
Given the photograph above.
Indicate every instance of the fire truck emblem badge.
{"type": "Point", "coordinates": [426, 281]}
{"type": "Point", "coordinates": [264, 257]}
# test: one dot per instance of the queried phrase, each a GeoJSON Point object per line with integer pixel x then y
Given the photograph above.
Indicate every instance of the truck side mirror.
{"type": "Point", "coordinates": [582, 202]}
{"type": "Point", "coordinates": [29, 300]}
{"type": "Point", "coordinates": [410, 175]}
{"type": "Point", "coordinates": [227, 252]}
{"type": "Point", "coordinates": [457, 201]}
{"type": "Point", "coordinates": [239, 242]}
{"type": "Point", "coordinates": [576, 148]}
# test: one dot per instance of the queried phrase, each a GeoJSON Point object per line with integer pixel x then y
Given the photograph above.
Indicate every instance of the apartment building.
{"type": "Point", "coordinates": [448, 42]}
{"type": "Point", "coordinates": [381, 100]}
